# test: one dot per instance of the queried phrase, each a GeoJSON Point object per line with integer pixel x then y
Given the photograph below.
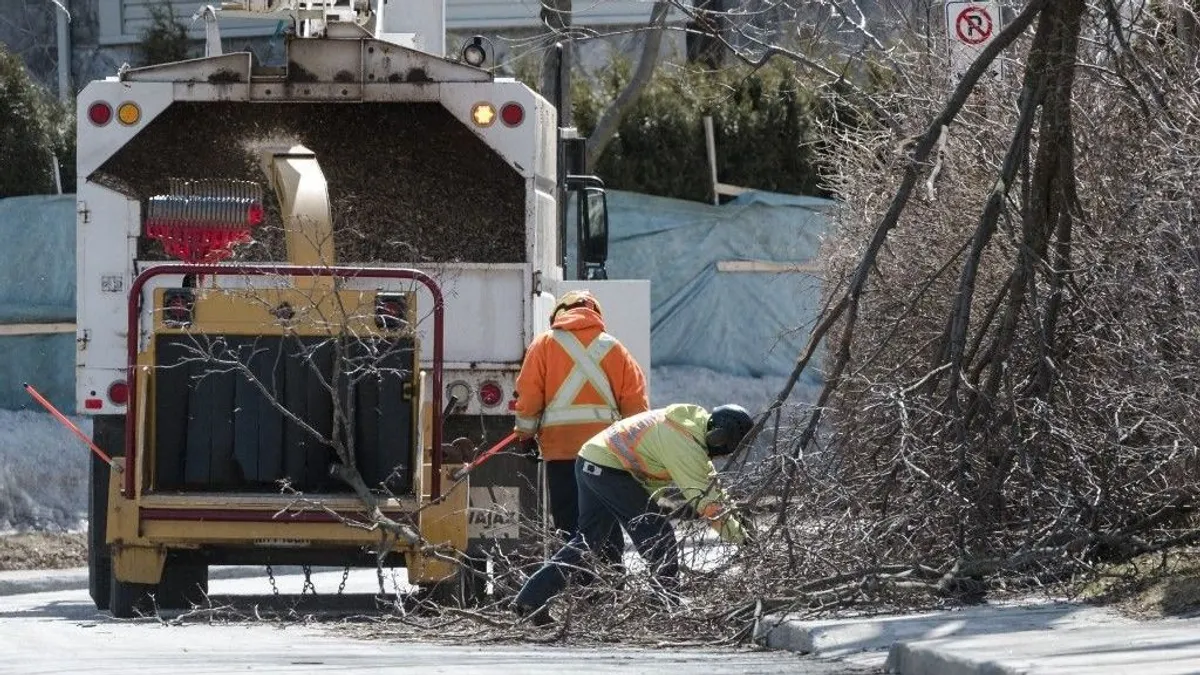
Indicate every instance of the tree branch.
{"type": "Point", "coordinates": [606, 126]}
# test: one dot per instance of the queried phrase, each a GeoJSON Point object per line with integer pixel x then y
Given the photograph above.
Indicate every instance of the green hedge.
{"type": "Point", "coordinates": [765, 128]}
{"type": "Point", "coordinates": [33, 129]}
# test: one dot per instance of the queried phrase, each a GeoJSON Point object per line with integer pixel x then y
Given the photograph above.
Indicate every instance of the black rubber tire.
{"type": "Point", "coordinates": [108, 432]}
{"type": "Point", "coordinates": [184, 585]}
{"type": "Point", "coordinates": [128, 601]}
{"type": "Point", "coordinates": [99, 579]}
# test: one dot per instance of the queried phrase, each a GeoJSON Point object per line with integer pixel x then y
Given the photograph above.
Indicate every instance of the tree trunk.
{"type": "Point", "coordinates": [606, 126]}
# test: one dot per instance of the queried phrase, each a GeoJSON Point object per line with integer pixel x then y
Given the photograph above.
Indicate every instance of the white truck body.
{"type": "Point", "coordinates": [492, 309]}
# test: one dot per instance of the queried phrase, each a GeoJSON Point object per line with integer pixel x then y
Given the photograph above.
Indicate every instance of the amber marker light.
{"type": "Point", "coordinates": [129, 113]}
{"type": "Point", "coordinates": [483, 114]}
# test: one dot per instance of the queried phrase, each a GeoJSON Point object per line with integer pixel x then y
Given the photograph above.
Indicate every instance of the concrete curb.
{"type": "Point", "coordinates": [924, 659]}
{"type": "Point", "coordinates": [998, 639]}
{"type": "Point", "coordinates": [21, 582]}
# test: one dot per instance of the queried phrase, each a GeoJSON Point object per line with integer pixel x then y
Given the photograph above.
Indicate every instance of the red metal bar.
{"type": "Point", "coordinates": [466, 468]}
{"type": "Point", "coordinates": [37, 396]}
{"type": "Point", "coordinates": [135, 306]}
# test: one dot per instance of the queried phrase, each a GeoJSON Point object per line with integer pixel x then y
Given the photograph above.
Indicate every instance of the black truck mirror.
{"type": "Point", "coordinates": [586, 195]}
{"type": "Point", "coordinates": [594, 226]}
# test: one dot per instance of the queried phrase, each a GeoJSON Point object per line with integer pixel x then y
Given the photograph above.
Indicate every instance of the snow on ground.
{"type": "Point", "coordinates": [43, 472]}
{"type": "Point", "coordinates": [44, 467]}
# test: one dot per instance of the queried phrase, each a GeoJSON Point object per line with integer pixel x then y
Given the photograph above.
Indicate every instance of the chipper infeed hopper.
{"type": "Point", "coordinates": [276, 416]}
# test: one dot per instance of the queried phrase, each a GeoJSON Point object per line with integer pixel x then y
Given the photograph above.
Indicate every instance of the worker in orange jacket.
{"type": "Point", "coordinates": [575, 381]}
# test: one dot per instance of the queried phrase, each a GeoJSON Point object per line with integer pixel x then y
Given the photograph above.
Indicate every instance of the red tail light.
{"type": "Point", "coordinates": [391, 311]}
{"type": "Point", "coordinates": [100, 113]}
{"type": "Point", "coordinates": [490, 393]}
{"type": "Point", "coordinates": [118, 392]}
{"type": "Point", "coordinates": [512, 114]}
{"type": "Point", "coordinates": [178, 307]}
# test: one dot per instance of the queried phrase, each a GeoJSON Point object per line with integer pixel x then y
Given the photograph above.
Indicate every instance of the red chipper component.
{"type": "Point", "coordinates": [200, 221]}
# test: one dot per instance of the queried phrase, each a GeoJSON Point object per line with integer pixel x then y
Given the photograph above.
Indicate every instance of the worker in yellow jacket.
{"type": "Point", "coordinates": [619, 471]}
{"type": "Point", "coordinates": [575, 381]}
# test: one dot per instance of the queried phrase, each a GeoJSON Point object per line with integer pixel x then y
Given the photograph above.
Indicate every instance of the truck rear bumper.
{"type": "Point", "coordinates": [259, 528]}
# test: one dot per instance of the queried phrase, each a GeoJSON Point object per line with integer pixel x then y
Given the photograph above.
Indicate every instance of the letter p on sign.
{"type": "Point", "coordinates": [970, 26]}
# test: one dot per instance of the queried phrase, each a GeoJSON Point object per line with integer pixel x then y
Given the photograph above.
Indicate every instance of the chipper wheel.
{"type": "Point", "coordinates": [108, 433]}
{"type": "Point", "coordinates": [183, 586]}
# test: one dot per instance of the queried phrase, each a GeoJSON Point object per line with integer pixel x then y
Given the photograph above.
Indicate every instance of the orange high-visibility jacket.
{"type": "Point", "coordinates": [575, 381]}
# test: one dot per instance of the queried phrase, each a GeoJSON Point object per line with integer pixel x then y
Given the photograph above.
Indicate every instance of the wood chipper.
{"type": "Point", "coordinates": [297, 283]}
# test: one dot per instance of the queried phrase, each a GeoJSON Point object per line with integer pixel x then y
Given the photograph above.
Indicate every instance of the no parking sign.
{"type": "Point", "coordinates": [970, 27]}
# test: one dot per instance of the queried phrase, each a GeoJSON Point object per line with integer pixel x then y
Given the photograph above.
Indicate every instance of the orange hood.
{"type": "Point", "coordinates": [578, 319]}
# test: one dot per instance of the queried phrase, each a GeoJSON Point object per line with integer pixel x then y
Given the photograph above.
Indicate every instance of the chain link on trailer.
{"type": "Point", "coordinates": [271, 578]}
{"type": "Point", "coordinates": [307, 580]}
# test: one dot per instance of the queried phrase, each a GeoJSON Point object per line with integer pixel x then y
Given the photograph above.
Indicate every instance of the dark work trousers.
{"type": "Point", "coordinates": [564, 495]}
{"type": "Point", "coordinates": [609, 500]}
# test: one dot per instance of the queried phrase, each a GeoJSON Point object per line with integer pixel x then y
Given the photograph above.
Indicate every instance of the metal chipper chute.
{"type": "Point", "coordinates": [199, 221]}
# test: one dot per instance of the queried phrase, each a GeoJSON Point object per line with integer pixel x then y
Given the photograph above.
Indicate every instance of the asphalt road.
{"type": "Point", "coordinates": [61, 632]}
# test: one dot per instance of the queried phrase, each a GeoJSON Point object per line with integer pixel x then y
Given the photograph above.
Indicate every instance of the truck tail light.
{"type": "Point", "coordinates": [199, 221]}
{"type": "Point", "coordinates": [490, 393]}
{"type": "Point", "coordinates": [118, 393]}
{"type": "Point", "coordinates": [391, 311]}
{"type": "Point", "coordinates": [100, 113]}
{"type": "Point", "coordinates": [179, 306]}
{"type": "Point", "coordinates": [93, 404]}
{"type": "Point", "coordinates": [512, 114]}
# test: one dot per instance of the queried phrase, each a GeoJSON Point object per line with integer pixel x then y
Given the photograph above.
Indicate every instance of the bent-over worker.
{"type": "Point", "coordinates": [576, 380]}
{"type": "Point", "coordinates": [621, 468]}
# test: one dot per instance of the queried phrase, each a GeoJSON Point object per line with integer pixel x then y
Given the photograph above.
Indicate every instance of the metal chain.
{"type": "Point", "coordinates": [271, 578]}
{"type": "Point", "coordinates": [308, 581]}
{"type": "Point", "coordinates": [345, 575]}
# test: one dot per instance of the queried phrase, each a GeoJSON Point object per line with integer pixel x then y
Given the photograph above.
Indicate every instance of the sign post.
{"type": "Point", "coordinates": [970, 26]}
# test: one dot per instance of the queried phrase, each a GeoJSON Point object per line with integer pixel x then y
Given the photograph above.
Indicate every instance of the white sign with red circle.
{"type": "Point", "coordinates": [970, 26]}
{"type": "Point", "coordinates": [973, 25]}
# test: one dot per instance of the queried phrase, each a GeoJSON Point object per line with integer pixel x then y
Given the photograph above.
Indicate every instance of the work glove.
{"type": "Point", "coordinates": [528, 448]}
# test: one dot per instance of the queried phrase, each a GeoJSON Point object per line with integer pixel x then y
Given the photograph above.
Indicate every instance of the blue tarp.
{"type": "Point", "coordinates": [45, 361]}
{"type": "Point", "coordinates": [740, 323]}
{"type": "Point", "coordinates": [37, 260]}
{"type": "Point", "coordinates": [37, 285]}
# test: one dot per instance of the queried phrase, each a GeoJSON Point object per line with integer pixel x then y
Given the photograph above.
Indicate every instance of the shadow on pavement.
{"type": "Point", "coordinates": [331, 607]}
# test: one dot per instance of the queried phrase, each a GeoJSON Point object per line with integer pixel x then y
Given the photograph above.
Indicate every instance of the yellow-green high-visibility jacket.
{"type": "Point", "coordinates": [663, 446]}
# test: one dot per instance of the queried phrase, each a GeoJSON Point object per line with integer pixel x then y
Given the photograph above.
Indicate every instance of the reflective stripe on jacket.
{"type": "Point", "coordinates": [575, 381]}
{"type": "Point", "coordinates": [563, 408]}
{"type": "Point", "coordinates": [667, 446]}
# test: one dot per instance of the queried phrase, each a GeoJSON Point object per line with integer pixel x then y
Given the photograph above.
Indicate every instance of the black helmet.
{"type": "Point", "coordinates": [726, 427]}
